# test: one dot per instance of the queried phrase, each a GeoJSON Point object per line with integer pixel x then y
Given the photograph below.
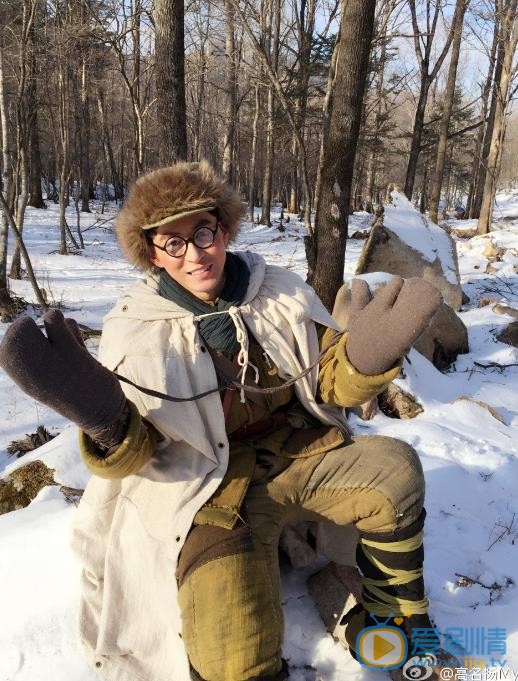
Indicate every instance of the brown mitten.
{"type": "Point", "coordinates": [58, 371]}
{"type": "Point", "coordinates": [384, 327]}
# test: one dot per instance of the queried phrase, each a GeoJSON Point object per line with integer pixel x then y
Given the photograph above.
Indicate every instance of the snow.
{"type": "Point", "coordinates": [420, 233]}
{"type": "Point", "coordinates": [470, 458]}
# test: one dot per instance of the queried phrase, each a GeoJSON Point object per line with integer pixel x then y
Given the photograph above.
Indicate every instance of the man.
{"type": "Point", "coordinates": [228, 423]}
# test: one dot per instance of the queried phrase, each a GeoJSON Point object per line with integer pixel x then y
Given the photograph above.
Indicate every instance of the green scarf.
{"type": "Point", "coordinates": [218, 331]}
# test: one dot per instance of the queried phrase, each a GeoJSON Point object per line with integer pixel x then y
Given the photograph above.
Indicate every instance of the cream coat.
{"type": "Point", "coordinates": [128, 533]}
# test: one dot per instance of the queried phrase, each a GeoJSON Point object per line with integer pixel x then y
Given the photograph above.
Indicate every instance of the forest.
{"type": "Point", "coordinates": [313, 105]}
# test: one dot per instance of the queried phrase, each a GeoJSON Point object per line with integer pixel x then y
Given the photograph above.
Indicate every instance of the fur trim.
{"type": "Point", "coordinates": [171, 190]}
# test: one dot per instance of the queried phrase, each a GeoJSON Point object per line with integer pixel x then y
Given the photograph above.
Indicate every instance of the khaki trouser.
{"type": "Point", "coordinates": [229, 579]}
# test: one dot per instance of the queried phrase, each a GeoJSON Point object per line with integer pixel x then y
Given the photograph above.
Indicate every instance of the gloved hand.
{"type": "Point", "coordinates": [384, 327]}
{"type": "Point", "coordinates": [58, 371]}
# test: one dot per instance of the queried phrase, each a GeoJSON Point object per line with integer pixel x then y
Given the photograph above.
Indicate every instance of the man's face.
{"type": "Point", "coordinates": [200, 271]}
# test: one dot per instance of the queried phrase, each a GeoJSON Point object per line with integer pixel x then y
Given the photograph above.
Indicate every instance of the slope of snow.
{"type": "Point", "coordinates": [469, 457]}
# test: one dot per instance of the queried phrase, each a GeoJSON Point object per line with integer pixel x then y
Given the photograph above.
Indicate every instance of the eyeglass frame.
{"type": "Point", "coordinates": [190, 240]}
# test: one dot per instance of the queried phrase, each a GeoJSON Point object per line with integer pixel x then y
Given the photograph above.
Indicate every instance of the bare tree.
{"type": "Point", "coordinates": [170, 80]}
{"type": "Point", "coordinates": [23, 115]}
{"type": "Point", "coordinates": [435, 194]}
{"type": "Point", "coordinates": [230, 94]}
{"type": "Point", "coordinates": [423, 43]}
{"type": "Point", "coordinates": [272, 29]}
{"type": "Point", "coordinates": [305, 22]}
{"type": "Point", "coordinates": [326, 249]}
{"type": "Point", "coordinates": [5, 297]}
{"type": "Point", "coordinates": [485, 131]}
{"type": "Point", "coordinates": [508, 10]}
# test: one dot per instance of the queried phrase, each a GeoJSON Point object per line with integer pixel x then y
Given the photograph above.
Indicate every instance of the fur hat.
{"type": "Point", "coordinates": [166, 192]}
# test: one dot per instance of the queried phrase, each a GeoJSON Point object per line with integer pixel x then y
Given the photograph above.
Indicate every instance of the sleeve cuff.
{"type": "Point", "coordinates": [342, 384]}
{"type": "Point", "coordinates": [126, 458]}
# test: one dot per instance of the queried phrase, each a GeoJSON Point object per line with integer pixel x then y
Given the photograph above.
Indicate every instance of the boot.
{"type": "Point", "coordinates": [393, 597]}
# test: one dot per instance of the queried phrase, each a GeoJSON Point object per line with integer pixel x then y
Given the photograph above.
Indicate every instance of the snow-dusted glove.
{"type": "Point", "coordinates": [384, 327]}
{"type": "Point", "coordinates": [58, 371]}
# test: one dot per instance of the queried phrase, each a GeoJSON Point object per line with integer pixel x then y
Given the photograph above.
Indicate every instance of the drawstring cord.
{"type": "Point", "coordinates": [244, 363]}
{"type": "Point", "coordinates": [242, 338]}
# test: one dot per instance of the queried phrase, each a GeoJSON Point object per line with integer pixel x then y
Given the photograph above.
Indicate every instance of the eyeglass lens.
{"type": "Point", "coordinates": [203, 237]}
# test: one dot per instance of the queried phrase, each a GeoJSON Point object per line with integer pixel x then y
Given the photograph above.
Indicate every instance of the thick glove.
{"type": "Point", "coordinates": [384, 327]}
{"type": "Point", "coordinates": [58, 371]}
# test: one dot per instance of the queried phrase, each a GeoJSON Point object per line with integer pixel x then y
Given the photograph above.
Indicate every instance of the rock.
{"type": "Point", "coordinates": [360, 234]}
{"type": "Point", "coordinates": [494, 412]}
{"type": "Point", "coordinates": [490, 269]}
{"type": "Point", "coordinates": [463, 233]}
{"type": "Point", "coordinates": [393, 243]}
{"type": "Point", "coordinates": [336, 542]}
{"type": "Point", "coordinates": [294, 543]}
{"type": "Point", "coordinates": [493, 252]}
{"type": "Point", "coordinates": [335, 590]}
{"type": "Point", "coordinates": [20, 487]}
{"type": "Point", "coordinates": [509, 335]}
{"type": "Point", "coordinates": [368, 410]}
{"type": "Point", "coordinates": [30, 442]}
{"type": "Point", "coordinates": [399, 404]}
{"type": "Point", "coordinates": [499, 308]}
{"type": "Point", "coordinates": [485, 300]}
{"type": "Point", "coordinates": [444, 338]}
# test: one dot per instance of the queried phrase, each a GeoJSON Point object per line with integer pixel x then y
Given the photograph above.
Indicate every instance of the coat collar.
{"type": "Point", "coordinates": [142, 301]}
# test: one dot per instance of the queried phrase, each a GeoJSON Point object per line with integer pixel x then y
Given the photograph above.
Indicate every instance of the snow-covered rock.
{"type": "Point", "coordinates": [408, 244]}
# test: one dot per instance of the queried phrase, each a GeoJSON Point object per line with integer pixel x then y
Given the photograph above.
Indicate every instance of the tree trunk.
{"type": "Point", "coordinates": [5, 298]}
{"type": "Point", "coordinates": [35, 196]}
{"type": "Point", "coordinates": [108, 147]}
{"type": "Point", "coordinates": [230, 95]}
{"type": "Point", "coordinates": [417, 135]}
{"type": "Point", "coordinates": [270, 116]}
{"type": "Point", "coordinates": [435, 193]}
{"type": "Point", "coordinates": [423, 42]}
{"type": "Point", "coordinates": [253, 155]}
{"type": "Point", "coordinates": [488, 132]}
{"type": "Point", "coordinates": [486, 92]}
{"type": "Point", "coordinates": [306, 27]}
{"type": "Point", "coordinates": [339, 148]}
{"type": "Point", "coordinates": [84, 137]}
{"type": "Point", "coordinates": [509, 38]}
{"type": "Point", "coordinates": [170, 80]}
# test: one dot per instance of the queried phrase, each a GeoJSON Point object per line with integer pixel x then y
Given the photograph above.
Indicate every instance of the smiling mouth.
{"type": "Point", "coordinates": [200, 271]}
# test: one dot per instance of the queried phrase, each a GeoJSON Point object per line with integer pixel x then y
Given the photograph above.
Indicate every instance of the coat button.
{"type": "Point", "coordinates": [221, 445]}
{"type": "Point", "coordinates": [98, 664]}
{"type": "Point", "coordinates": [124, 308]}
{"type": "Point", "coordinates": [178, 538]}
{"type": "Point", "coordinates": [203, 349]}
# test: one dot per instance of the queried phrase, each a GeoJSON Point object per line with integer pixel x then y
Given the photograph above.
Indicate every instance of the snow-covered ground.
{"type": "Point", "coordinates": [470, 459]}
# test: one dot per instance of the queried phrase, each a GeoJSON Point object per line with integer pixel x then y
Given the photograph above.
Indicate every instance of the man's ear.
{"type": "Point", "coordinates": [226, 236]}
{"type": "Point", "coordinates": [156, 262]}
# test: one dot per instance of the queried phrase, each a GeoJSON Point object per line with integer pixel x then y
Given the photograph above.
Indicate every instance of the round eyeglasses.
{"type": "Point", "coordinates": [202, 237]}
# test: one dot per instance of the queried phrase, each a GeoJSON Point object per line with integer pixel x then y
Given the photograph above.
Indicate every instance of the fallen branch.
{"type": "Point", "coordinates": [495, 365]}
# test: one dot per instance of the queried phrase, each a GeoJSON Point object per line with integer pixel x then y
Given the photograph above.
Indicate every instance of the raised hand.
{"type": "Point", "coordinates": [383, 327]}
{"type": "Point", "coordinates": [58, 371]}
